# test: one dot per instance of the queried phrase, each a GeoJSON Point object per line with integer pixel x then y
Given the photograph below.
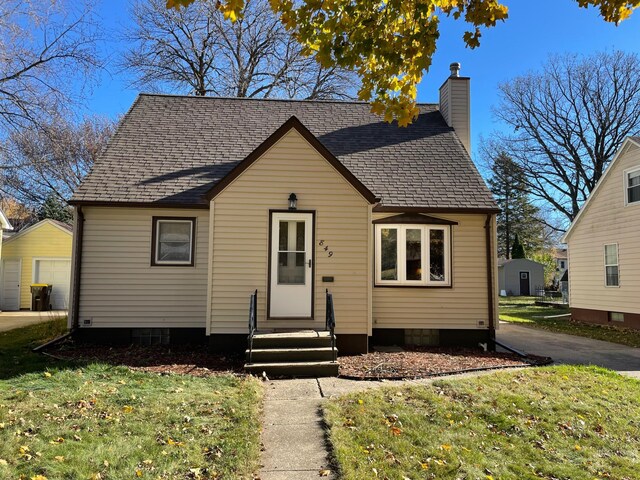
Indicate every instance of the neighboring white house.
{"type": "Point", "coordinates": [604, 245]}
{"type": "Point", "coordinates": [197, 202]}
{"type": "Point", "coordinates": [562, 264]}
{"type": "Point", "coordinates": [520, 276]}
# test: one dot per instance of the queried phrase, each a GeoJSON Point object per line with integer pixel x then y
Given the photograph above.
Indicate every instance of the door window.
{"type": "Point", "coordinates": [291, 252]}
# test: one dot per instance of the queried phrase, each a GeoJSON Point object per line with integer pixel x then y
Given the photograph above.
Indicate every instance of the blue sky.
{"type": "Point", "coordinates": [534, 30]}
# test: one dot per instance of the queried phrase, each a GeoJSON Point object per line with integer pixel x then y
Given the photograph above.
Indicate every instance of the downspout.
{"type": "Point", "coordinates": [492, 327]}
{"type": "Point", "coordinates": [75, 322]}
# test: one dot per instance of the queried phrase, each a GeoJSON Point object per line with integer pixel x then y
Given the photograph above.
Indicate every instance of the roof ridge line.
{"type": "Point", "coordinates": [292, 100]}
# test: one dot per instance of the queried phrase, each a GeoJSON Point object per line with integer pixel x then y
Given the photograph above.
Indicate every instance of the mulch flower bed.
{"type": "Point", "coordinates": [421, 362]}
{"type": "Point", "coordinates": [197, 360]}
{"type": "Point", "coordinates": [188, 359]}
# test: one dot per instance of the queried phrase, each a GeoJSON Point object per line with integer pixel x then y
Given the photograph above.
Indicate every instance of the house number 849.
{"type": "Point", "coordinates": [325, 248]}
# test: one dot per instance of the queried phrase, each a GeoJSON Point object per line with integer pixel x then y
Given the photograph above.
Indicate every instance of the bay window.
{"type": "Point", "coordinates": [413, 255]}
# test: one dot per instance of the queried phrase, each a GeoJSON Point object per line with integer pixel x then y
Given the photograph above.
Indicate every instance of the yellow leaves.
{"type": "Point", "coordinates": [171, 441]}
{"type": "Point", "coordinates": [324, 473]}
{"type": "Point", "coordinates": [56, 441]}
{"type": "Point", "coordinates": [138, 472]}
{"type": "Point", "coordinates": [127, 409]}
{"type": "Point", "coordinates": [445, 447]}
{"type": "Point", "coordinates": [39, 477]}
{"type": "Point", "coordinates": [577, 447]}
{"type": "Point", "coordinates": [59, 458]}
{"type": "Point", "coordinates": [360, 401]}
{"type": "Point", "coordinates": [47, 374]}
{"type": "Point", "coordinates": [3, 462]}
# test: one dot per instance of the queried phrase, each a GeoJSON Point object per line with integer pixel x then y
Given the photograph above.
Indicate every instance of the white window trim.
{"type": "Point", "coordinates": [625, 180]}
{"type": "Point", "coordinates": [617, 264]}
{"type": "Point", "coordinates": [156, 247]}
{"type": "Point", "coordinates": [401, 256]}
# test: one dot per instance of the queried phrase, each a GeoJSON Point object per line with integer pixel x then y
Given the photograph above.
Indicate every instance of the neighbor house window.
{"type": "Point", "coordinates": [633, 186]}
{"type": "Point", "coordinates": [562, 264]}
{"type": "Point", "coordinates": [412, 255]}
{"type": "Point", "coordinates": [612, 278]}
{"type": "Point", "coordinates": [173, 241]}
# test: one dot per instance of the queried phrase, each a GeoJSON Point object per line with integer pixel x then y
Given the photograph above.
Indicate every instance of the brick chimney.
{"type": "Point", "coordinates": [455, 104]}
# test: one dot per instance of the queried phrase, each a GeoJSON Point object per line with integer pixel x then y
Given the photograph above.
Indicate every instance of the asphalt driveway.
{"type": "Point", "coordinates": [571, 349]}
{"type": "Point", "coordinates": [12, 320]}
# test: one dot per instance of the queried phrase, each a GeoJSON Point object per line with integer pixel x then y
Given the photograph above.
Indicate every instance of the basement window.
{"type": "Point", "coordinates": [616, 317]}
{"type": "Point", "coordinates": [172, 241]}
{"type": "Point", "coordinates": [413, 255]}
{"type": "Point", "coordinates": [150, 336]}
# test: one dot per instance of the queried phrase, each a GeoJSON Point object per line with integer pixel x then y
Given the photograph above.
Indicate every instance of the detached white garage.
{"type": "Point", "coordinates": [56, 272]}
{"type": "Point", "coordinates": [40, 253]}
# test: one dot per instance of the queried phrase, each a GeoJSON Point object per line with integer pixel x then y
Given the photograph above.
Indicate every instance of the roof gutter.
{"type": "Point", "coordinates": [490, 292]}
{"type": "Point", "coordinates": [77, 262]}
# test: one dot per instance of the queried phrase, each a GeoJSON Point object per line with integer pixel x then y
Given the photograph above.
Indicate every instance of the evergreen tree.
{"type": "Point", "coordinates": [518, 214]}
{"type": "Point", "coordinates": [55, 209]}
{"type": "Point", "coordinates": [517, 251]}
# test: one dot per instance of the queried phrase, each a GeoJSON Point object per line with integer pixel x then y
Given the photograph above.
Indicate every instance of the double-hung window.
{"type": "Point", "coordinates": [413, 255]}
{"type": "Point", "coordinates": [172, 241]}
{"type": "Point", "coordinates": [612, 278]}
{"type": "Point", "coordinates": [633, 186]}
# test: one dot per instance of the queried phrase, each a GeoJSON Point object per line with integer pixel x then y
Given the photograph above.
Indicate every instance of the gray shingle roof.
{"type": "Point", "coordinates": [173, 149]}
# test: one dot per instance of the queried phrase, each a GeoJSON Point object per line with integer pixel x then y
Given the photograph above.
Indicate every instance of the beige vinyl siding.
{"type": "Point", "coordinates": [455, 105]}
{"type": "Point", "coordinates": [607, 220]}
{"type": "Point", "coordinates": [458, 307]}
{"type": "Point", "coordinates": [45, 241]}
{"type": "Point", "coordinates": [241, 243]}
{"type": "Point", "coordinates": [120, 288]}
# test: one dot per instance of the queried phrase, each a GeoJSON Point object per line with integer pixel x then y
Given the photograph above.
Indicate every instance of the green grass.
{"type": "Point", "coordinates": [523, 310]}
{"type": "Point", "coordinates": [551, 423]}
{"type": "Point", "coordinates": [104, 422]}
{"type": "Point", "coordinates": [15, 348]}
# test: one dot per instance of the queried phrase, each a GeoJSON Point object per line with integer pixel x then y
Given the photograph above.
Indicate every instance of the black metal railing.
{"type": "Point", "coordinates": [330, 324]}
{"type": "Point", "coordinates": [253, 321]}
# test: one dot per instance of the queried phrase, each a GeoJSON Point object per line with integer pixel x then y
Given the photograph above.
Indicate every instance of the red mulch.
{"type": "Point", "coordinates": [420, 362]}
{"type": "Point", "coordinates": [183, 359]}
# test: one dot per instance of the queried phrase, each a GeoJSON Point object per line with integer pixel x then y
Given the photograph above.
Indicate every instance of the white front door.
{"type": "Point", "coordinates": [56, 272]}
{"type": "Point", "coordinates": [10, 294]}
{"type": "Point", "coordinates": [291, 282]}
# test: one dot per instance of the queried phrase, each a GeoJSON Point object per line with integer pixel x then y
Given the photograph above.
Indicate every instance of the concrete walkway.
{"type": "Point", "coordinates": [571, 349]}
{"type": "Point", "coordinates": [24, 318]}
{"type": "Point", "coordinates": [293, 434]}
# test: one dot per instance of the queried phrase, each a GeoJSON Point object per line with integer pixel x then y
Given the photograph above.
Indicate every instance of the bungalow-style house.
{"type": "Point", "coordinates": [520, 276]}
{"type": "Point", "coordinates": [39, 253]}
{"type": "Point", "coordinates": [604, 245]}
{"type": "Point", "coordinates": [197, 202]}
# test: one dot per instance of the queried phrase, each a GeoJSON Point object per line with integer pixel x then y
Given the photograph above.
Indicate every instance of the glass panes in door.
{"type": "Point", "coordinates": [291, 252]}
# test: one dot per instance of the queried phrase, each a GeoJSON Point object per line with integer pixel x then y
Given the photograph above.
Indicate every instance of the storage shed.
{"type": "Point", "coordinates": [520, 276]}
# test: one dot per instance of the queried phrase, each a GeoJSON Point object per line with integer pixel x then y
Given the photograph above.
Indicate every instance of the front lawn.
{"type": "Point", "coordinates": [553, 423]}
{"type": "Point", "coordinates": [16, 356]}
{"type": "Point", "coordinates": [523, 310]}
{"type": "Point", "coordinates": [99, 421]}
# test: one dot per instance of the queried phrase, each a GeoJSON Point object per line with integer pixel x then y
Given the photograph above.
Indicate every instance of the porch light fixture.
{"type": "Point", "coordinates": [293, 202]}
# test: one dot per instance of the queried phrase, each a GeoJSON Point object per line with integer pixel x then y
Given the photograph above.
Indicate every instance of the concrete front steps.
{"type": "Point", "coordinates": [306, 353]}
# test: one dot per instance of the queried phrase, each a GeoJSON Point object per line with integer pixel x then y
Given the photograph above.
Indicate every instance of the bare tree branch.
{"type": "Point", "coordinates": [568, 122]}
{"type": "Point", "coordinates": [195, 50]}
{"type": "Point", "coordinates": [47, 49]}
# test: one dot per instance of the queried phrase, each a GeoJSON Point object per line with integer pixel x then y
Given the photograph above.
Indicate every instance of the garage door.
{"type": "Point", "coordinates": [57, 272]}
{"type": "Point", "coordinates": [10, 284]}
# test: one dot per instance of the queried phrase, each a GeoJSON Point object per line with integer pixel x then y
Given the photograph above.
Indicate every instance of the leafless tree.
{"type": "Point", "coordinates": [47, 51]}
{"type": "Point", "coordinates": [52, 160]}
{"type": "Point", "coordinates": [568, 121]}
{"type": "Point", "coordinates": [195, 50]}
